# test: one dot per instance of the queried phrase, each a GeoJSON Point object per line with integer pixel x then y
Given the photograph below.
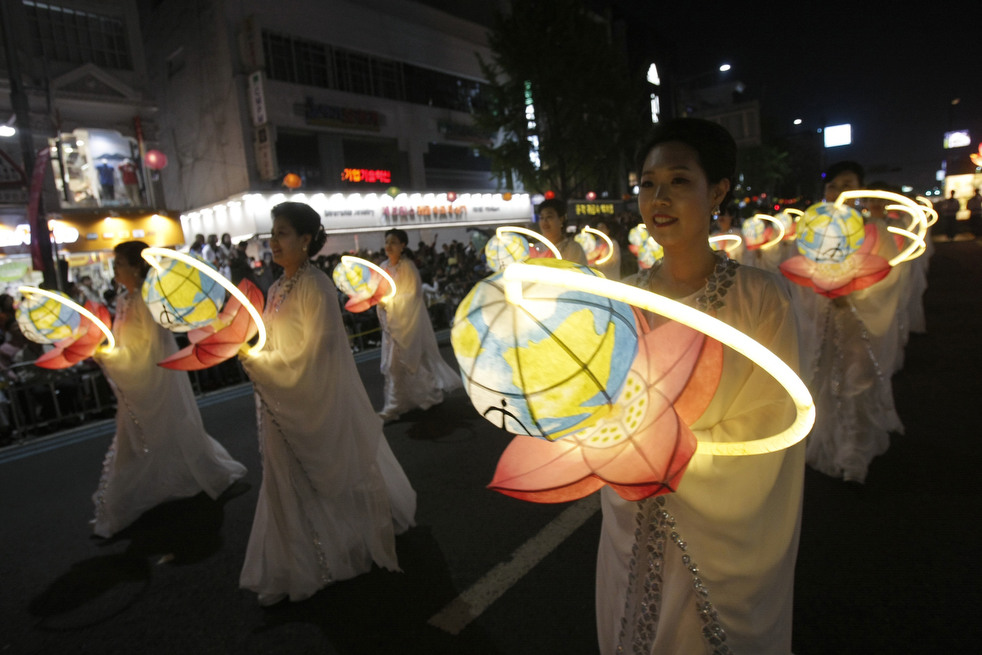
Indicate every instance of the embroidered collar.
{"type": "Point", "coordinates": [710, 298]}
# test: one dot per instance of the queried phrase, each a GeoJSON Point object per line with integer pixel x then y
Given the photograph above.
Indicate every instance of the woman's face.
{"type": "Point", "coordinates": [551, 225]}
{"type": "Point", "coordinates": [393, 247]}
{"type": "Point", "coordinates": [675, 198]}
{"type": "Point", "coordinates": [289, 248]}
{"type": "Point", "coordinates": [126, 275]}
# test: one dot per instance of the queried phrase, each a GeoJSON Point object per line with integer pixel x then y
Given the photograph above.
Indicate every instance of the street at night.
{"type": "Point", "coordinates": [887, 567]}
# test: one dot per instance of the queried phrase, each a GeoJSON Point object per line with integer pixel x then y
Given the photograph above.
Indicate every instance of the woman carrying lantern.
{"type": "Point", "coordinates": [333, 495]}
{"type": "Point", "coordinates": [712, 565]}
{"type": "Point", "coordinates": [160, 451]}
{"type": "Point", "coordinates": [416, 375]}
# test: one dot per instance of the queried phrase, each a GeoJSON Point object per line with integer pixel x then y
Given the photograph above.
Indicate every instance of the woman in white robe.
{"type": "Point", "coordinates": [709, 568]}
{"type": "Point", "coordinates": [160, 451]}
{"type": "Point", "coordinates": [415, 373]}
{"type": "Point", "coordinates": [333, 495]}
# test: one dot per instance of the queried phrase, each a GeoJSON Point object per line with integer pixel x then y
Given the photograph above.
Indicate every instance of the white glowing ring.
{"type": "Point", "coordinates": [780, 229]}
{"type": "Point", "coordinates": [516, 274]}
{"type": "Point", "coordinates": [68, 302]}
{"type": "Point", "coordinates": [916, 211]}
{"type": "Point", "coordinates": [529, 233]}
{"type": "Point", "coordinates": [797, 213]}
{"type": "Point", "coordinates": [932, 215]}
{"type": "Point", "coordinates": [734, 239]}
{"type": "Point", "coordinates": [149, 253]}
{"type": "Point", "coordinates": [920, 246]}
{"type": "Point", "coordinates": [610, 245]}
{"type": "Point", "coordinates": [378, 269]}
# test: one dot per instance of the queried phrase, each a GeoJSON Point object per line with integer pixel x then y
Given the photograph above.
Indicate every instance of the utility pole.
{"type": "Point", "coordinates": [40, 234]}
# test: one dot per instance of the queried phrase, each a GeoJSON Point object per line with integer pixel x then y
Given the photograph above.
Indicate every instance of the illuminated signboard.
{"type": "Point", "coordinates": [838, 135]}
{"type": "Point", "coordinates": [957, 139]}
{"type": "Point", "coordinates": [366, 175]}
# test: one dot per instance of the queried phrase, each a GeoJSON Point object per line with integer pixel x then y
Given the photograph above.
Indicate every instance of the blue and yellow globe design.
{"type": "Point", "coordinates": [45, 320]}
{"type": "Point", "coordinates": [504, 249]}
{"type": "Point", "coordinates": [355, 279]}
{"type": "Point", "coordinates": [638, 235]}
{"type": "Point", "coordinates": [787, 220]}
{"type": "Point", "coordinates": [649, 253]}
{"type": "Point", "coordinates": [754, 231]}
{"type": "Point", "coordinates": [587, 241]}
{"type": "Point", "coordinates": [548, 367]}
{"type": "Point", "coordinates": [829, 234]}
{"type": "Point", "coordinates": [180, 297]}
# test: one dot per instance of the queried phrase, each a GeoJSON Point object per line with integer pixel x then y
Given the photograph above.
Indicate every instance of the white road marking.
{"type": "Point", "coordinates": [471, 603]}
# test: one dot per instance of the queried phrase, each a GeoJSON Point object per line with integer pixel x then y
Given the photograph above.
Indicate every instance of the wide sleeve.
{"type": "Point", "coordinates": [140, 344]}
{"type": "Point", "coordinates": [402, 317]}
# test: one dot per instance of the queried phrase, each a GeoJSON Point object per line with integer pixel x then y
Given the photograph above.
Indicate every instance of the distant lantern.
{"type": "Point", "coordinates": [292, 181]}
{"type": "Point", "coordinates": [155, 159]}
{"type": "Point", "coordinates": [591, 195]}
{"type": "Point", "coordinates": [392, 191]}
{"type": "Point", "coordinates": [506, 196]}
{"type": "Point", "coordinates": [549, 195]}
{"type": "Point", "coordinates": [451, 196]}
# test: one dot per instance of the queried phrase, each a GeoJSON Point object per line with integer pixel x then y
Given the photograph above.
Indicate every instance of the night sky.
{"type": "Point", "coordinates": [891, 72]}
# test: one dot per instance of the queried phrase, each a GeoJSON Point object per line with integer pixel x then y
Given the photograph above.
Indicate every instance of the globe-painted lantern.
{"type": "Point", "coordinates": [505, 248]}
{"type": "Point", "coordinates": [181, 298]}
{"type": "Point", "coordinates": [548, 366]}
{"type": "Point", "coordinates": [45, 320]}
{"type": "Point", "coordinates": [827, 233]}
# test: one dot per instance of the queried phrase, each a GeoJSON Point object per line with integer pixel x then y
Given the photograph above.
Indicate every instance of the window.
{"type": "Point", "coordinates": [80, 37]}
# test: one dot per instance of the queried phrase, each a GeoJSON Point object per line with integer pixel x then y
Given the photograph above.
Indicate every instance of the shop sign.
{"type": "Point", "coordinates": [257, 99]}
{"type": "Point", "coordinates": [589, 209]}
{"type": "Point", "coordinates": [265, 154]}
{"type": "Point", "coordinates": [366, 175]}
{"type": "Point", "coordinates": [333, 116]}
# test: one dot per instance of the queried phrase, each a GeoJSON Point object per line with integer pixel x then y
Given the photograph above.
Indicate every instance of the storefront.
{"type": "Point", "coordinates": [355, 220]}
{"type": "Point", "coordinates": [98, 168]}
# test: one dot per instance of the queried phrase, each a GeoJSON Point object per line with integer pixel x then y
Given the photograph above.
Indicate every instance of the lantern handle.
{"type": "Point", "coordinates": [780, 228]}
{"type": "Point", "coordinates": [915, 231]}
{"type": "Point", "coordinates": [349, 259]}
{"type": "Point", "coordinates": [610, 245]}
{"type": "Point", "coordinates": [529, 233]}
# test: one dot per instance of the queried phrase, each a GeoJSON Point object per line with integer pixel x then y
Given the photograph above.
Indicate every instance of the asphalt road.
{"type": "Point", "coordinates": [887, 568]}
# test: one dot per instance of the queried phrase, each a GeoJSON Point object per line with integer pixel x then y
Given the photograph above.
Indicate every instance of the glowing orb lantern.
{"type": "Point", "coordinates": [647, 250]}
{"type": "Point", "coordinates": [587, 241]}
{"type": "Point", "coordinates": [755, 232]}
{"type": "Point", "coordinates": [43, 319]}
{"type": "Point", "coordinates": [827, 233]}
{"type": "Point", "coordinates": [292, 181]}
{"type": "Point", "coordinates": [180, 297]}
{"type": "Point", "coordinates": [837, 252]}
{"type": "Point", "coordinates": [363, 282]}
{"type": "Point", "coordinates": [155, 159]}
{"type": "Point", "coordinates": [81, 343]}
{"type": "Point", "coordinates": [548, 366]}
{"type": "Point", "coordinates": [505, 248]}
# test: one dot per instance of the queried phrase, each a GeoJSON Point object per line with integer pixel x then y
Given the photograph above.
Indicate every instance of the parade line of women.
{"type": "Point", "coordinates": [707, 569]}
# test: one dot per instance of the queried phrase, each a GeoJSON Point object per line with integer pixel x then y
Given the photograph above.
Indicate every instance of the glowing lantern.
{"type": "Point", "coordinates": [646, 249]}
{"type": "Point", "coordinates": [155, 159]}
{"type": "Point", "coordinates": [93, 327]}
{"type": "Point", "coordinates": [587, 241]}
{"type": "Point", "coordinates": [642, 445]}
{"type": "Point", "coordinates": [392, 191]}
{"type": "Point", "coordinates": [184, 295]}
{"type": "Point", "coordinates": [292, 181]}
{"type": "Point", "coordinates": [180, 297]}
{"type": "Point", "coordinates": [46, 318]}
{"type": "Point", "coordinates": [363, 282]}
{"type": "Point", "coordinates": [451, 196]}
{"type": "Point", "coordinates": [837, 252]}
{"type": "Point", "coordinates": [977, 157]}
{"type": "Point", "coordinates": [549, 195]}
{"type": "Point", "coordinates": [506, 196]}
{"type": "Point", "coordinates": [548, 366]}
{"type": "Point", "coordinates": [762, 231]}
{"type": "Point", "coordinates": [591, 195]}
{"type": "Point", "coordinates": [505, 248]}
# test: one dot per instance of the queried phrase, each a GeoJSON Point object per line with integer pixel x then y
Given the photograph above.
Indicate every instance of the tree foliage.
{"type": "Point", "coordinates": [589, 109]}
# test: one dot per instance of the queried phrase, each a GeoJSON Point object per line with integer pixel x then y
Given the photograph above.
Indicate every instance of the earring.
{"type": "Point", "coordinates": [716, 213]}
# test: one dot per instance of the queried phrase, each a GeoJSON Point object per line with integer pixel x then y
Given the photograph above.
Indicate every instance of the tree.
{"type": "Point", "coordinates": [561, 93]}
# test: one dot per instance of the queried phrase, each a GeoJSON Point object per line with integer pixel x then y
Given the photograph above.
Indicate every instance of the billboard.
{"type": "Point", "coordinates": [957, 139]}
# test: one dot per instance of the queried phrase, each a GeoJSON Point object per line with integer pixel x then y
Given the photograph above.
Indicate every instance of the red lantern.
{"type": "Point", "coordinates": [292, 181]}
{"type": "Point", "coordinates": [549, 195]}
{"type": "Point", "coordinates": [155, 159]}
{"type": "Point", "coordinates": [451, 196]}
{"type": "Point", "coordinates": [591, 195]}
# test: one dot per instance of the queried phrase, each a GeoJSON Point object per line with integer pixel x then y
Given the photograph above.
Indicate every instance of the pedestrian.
{"type": "Point", "coordinates": [161, 450]}
{"type": "Point", "coordinates": [333, 495]}
{"type": "Point", "coordinates": [712, 563]}
{"type": "Point", "coordinates": [948, 215]}
{"type": "Point", "coordinates": [416, 375]}
{"type": "Point", "coordinates": [974, 207]}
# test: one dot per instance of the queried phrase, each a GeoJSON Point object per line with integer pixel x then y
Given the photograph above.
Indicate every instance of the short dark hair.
{"type": "Point", "coordinates": [714, 146]}
{"type": "Point", "coordinates": [844, 166]}
{"type": "Point", "coordinates": [554, 204]}
{"type": "Point", "coordinates": [304, 220]}
{"type": "Point", "coordinates": [130, 252]}
{"type": "Point", "coordinates": [399, 234]}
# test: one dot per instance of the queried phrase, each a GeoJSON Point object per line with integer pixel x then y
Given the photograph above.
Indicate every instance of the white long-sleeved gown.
{"type": "Point", "coordinates": [717, 557]}
{"type": "Point", "coordinates": [333, 495]}
{"type": "Point", "coordinates": [160, 451]}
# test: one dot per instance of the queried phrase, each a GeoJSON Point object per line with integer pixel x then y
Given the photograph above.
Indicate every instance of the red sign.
{"type": "Point", "coordinates": [366, 175]}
